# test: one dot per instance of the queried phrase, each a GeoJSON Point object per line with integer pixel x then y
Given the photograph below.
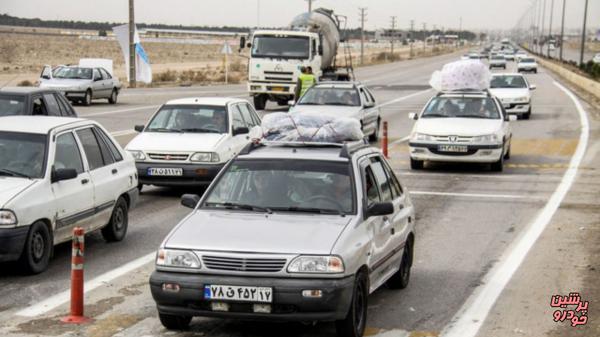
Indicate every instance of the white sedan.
{"type": "Point", "coordinates": [514, 91]}
{"type": "Point", "coordinates": [527, 64]}
{"type": "Point", "coordinates": [189, 140]}
{"type": "Point", "coordinates": [468, 126]}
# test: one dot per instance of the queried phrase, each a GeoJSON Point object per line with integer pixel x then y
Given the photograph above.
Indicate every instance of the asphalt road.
{"type": "Point", "coordinates": [466, 215]}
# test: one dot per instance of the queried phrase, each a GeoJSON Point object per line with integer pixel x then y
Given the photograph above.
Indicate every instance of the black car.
{"type": "Point", "coordinates": [34, 101]}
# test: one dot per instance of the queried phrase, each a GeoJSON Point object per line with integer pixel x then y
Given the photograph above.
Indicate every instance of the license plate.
{"type": "Point", "coordinates": [452, 148]}
{"type": "Point", "coordinates": [236, 293]}
{"type": "Point", "coordinates": [278, 89]}
{"type": "Point", "coordinates": [163, 171]}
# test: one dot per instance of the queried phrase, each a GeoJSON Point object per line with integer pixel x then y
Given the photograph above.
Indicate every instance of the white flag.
{"type": "Point", "coordinates": [143, 71]}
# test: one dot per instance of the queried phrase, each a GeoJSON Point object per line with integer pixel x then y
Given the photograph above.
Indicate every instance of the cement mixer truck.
{"type": "Point", "coordinates": [276, 56]}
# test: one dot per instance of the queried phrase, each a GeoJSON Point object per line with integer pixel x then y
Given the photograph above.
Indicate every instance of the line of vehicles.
{"type": "Point", "coordinates": [330, 222]}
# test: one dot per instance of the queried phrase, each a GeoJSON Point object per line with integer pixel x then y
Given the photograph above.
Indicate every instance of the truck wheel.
{"type": "Point", "coordinates": [38, 247]}
{"type": "Point", "coordinates": [173, 322]}
{"type": "Point", "coordinates": [87, 99]}
{"type": "Point", "coordinates": [113, 96]}
{"type": "Point", "coordinates": [117, 226]}
{"type": "Point", "coordinates": [353, 325]}
{"type": "Point", "coordinates": [401, 278]}
{"type": "Point", "coordinates": [259, 102]}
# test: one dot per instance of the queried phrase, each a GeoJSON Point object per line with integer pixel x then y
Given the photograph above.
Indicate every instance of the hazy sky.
{"type": "Point", "coordinates": [476, 14]}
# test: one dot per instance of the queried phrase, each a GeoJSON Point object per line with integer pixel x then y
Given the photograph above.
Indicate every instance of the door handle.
{"type": "Point", "coordinates": [114, 171]}
{"type": "Point", "coordinates": [85, 181]}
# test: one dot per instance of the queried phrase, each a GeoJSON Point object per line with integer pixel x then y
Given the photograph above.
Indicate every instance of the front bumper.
{"type": "Point", "coordinates": [475, 153]}
{"type": "Point", "coordinates": [274, 89]}
{"type": "Point", "coordinates": [193, 174]}
{"type": "Point", "coordinates": [497, 65]}
{"type": "Point", "coordinates": [134, 195]}
{"type": "Point", "coordinates": [288, 303]}
{"type": "Point", "coordinates": [12, 241]}
{"type": "Point", "coordinates": [527, 69]}
{"type": "Point", "coordinates": [517, 108]}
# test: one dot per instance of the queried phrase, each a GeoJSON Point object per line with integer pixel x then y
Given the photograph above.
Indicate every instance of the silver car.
{"type": "Point", "coordinates": [82, 84]}
{"type": "Point", "coordinates": [289, 233]}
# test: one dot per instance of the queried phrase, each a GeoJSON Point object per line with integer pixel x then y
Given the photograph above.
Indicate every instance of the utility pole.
{"type": "Point", "coordinates": [460, 31]}
{"type": "Point", "coordinates": [543, 24]}
{"type": "Point", "coordinates": [550, 28]}
{"type": "Point", "coordinates": [393, 35]}
{"type": "Point", "coordinates": [562, 29]}
{"type": "Point", "coordinates": [583, 33]}
{"type": "Point", "coordinates": [412, 34]}
{"type": "Point", "coordinates": [363, 17]}
{"type": "Point", "coordinates": [424, 36]}
{"type": "Point", "coordinates": [310, 5]}
{"type": "Point", "coordinates": [131, 45]}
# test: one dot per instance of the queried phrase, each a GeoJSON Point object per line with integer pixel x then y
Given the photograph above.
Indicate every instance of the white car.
{"type": "Point", "coordinates": [469, 126]}
{"type": "Point", "coordinates": [187, 141]}
{"type": "Point", "coordinates": [514, 92]}
{"type": "Point", "coordinates": [527, 64]}
{"type": "Point", "coordinates": [596, 58]}
{"type": "Point", "coordinates": [342, 99]}
{"type": "Point", "coordinates": [510, 56]}
{"type": "Point", "coordinates": [498, 61]}
{"type": "Point", "coordinates": [57, 173]}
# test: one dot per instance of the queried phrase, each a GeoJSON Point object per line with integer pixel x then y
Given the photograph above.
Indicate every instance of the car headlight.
{"type": "Point", "coordinates": [137, 155]}
{"type": "Point", "coordinates": [206, 157]}
{"type": "Point", "coordinates": [316, 264]}
{"type": "Point", "coordinates": [423, 137]}
{"type": "Point", "coordinates": [522, 99]}
{"type": "Point", "coordinates": [7, 218]}
{"type": "Point", "coordinates": [177, 259]}
{"type": "Point", "coordinates": [485, 139]}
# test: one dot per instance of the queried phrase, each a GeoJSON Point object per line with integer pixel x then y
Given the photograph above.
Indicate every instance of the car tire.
{"type": "Point", "coordinates": [116, 229]}
{"type": "Point", "coordinates": [113, 96]}
{"type": "Point", "coordinates": [173, 322]}
{"type": "Point", "coordinates": [38, 248]}
{"type": "Point", "coordinates": [401, 278]}
{"type": "Point", "coordinates": [375, 135]}
{"type": "Point", "coordinates": [353, 325]}
{"type": "Point", "coordinates": [498, 166]}
{"type": "Point", "coordinates": [87, 99]}
{"type": "Point", "coordinates": [535, 71]}
{"type": "Point", "coordinates": [507, 155]}
{"type": "Point", "coordinates": [260, 101]}
{"type": "Point", "coordinates": [527, 115]}
{"type": "Point", "coordinates": [140, 187]}
{"type": "Point", "coordinates": [416, 164]}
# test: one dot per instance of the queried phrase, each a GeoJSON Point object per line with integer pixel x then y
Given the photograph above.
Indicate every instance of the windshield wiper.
{"type": "Point", "coordinates": [433, 115]}
{"type": "Point", "coordinates": [200, 130]}
{"type": "Point", "coordinates": [164, 130]}
{"type": "Point", "coordinates": [14, 174]}
{"type": "Point", "coordinates": [231, 205]}
{"type": "Point", "coordinates": [309, 103]}
{"type": "Point", "coordinates": [310, 210]}
{"type": "Point", "coordinates": [472, 116]}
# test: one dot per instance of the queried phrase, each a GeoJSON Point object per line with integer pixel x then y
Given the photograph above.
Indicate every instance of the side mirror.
{"type": "Point", "coordinates": [240, 131]}
{"type": "Point", "coordinates": [46, 77]}
{"type": "Point", "coordinates": [62, 174]}
{"type": "Point", "coordinates": [190, 200]}
{"type": "Point", "coordinates": [532, 87]}
{"type": "Point", "coordinates": [138, 128]}
{"type": "Point", "coordinates": [413, 116]}
{"type": "Point", "coordinates": [512, 118]}
{"type": "Point", "coordinates": [380, 208]}
{"type": "Point", "coordinates": [242, 42]}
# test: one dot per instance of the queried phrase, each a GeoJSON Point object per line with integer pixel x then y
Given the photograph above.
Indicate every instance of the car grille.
{"type": "Point", "coordinates": [169, 156]}
{"type": "Point", "coordinates": [279, 76]}
{"type": "Point", "coordinates": [458, 139]}
{"type": "Point", "coordinates": [243, 264]}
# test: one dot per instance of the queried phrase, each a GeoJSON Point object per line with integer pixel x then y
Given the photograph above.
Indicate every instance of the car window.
{"type": "Point", "coordinates": [246, 115]}
{"type": "Point", "coordinates": [91, 148]}
{"type": "Point", "coordinates": [52, 105]}
{"type": "Point", "coordinates": [236, 119]}
{"type": "Point", "coordinates": [382, 180]}
{"type": "Point", "coordinates": [253, 113]}
{"type": "Point", "coordinates": [97, 75]}
{"type": "Point", "coordinates": [112, 147]}
{"type": "Point", "coordinates": [106, 153]}
{"type": "Point", "coordinates": [371, 190]}
{"type": "Point", "coordinates": [394, 183]}
{"type": "Point", "coordinates": [508, 81]}
{"type": "Point", "coordinates": [67, 153]}
{"type": "Point", "coordinates": [12, 105]}
{"type": "Point", "coordinates": [105, 74]}
{"type": "Point", "coordinates": [39, 107]}
{"type": "Point", "coordinates": [65, 106]}
{"type": "Point", "coordinates": [364, 96]}
{"type": "Point", "coordinates": [370, 95]}
{"type": "Point", "coordinates": [22, 154]}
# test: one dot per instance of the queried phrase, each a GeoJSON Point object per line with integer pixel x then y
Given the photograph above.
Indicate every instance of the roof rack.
{"type": "Point", "coordinates": [464, 92]}
{"type": "Point", "coordinates": [347, 148]}
{"type": "Point", "coordinates": [350, 148]}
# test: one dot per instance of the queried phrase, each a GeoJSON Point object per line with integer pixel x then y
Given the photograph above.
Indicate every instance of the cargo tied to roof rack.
{"type": "Point", "coordinates": [300, 127]}
{"type": "Point", "coordinates": [461, 75]}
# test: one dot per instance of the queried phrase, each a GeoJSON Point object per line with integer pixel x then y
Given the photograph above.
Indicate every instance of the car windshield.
{"type": "Point", "coordinates": [11, 105]}
{"type": "Point", "coordinates": [330, 96]}
{"type": "Point", "coordinates": [461, 107]}
{"type": "Point", "coordinates": [508, 82]}
{"type": "Point", "coordinates": [310, 186]}
{"type": "Point", "coordinates": [524, 60]}
{"type": "Point", "coordinates": [22, 154]}
{"type": "Point", "coordinates": [281, 47]}
{"type": "Point", "coordinates": [73, 73]}
{"type": "Point", "coordinates": [189, 118]}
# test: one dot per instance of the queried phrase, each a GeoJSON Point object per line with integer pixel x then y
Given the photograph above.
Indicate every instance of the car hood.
{"type": "Point", "coordinates": [328, 110]}
{"type": "Point", "coordinates": [10, 187]}
{"type": "Point", "coordinates": [63, 83]}
{"type": "Point", "coordinates": [282, 233]}
{"type": "Point", "coordinates": [178, 142]}
{"type": "Point", "coordinates": [457, 126]}
{"type": "Point", "coordinates": [510, 92]}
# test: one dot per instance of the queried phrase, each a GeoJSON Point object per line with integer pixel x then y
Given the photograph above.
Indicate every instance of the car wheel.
{"type": "Point", "coordinates": [499, 165]}
{"type": "Point", "coordinates": [535, 71]}
{"type": "Point", "coordinates": [113, 97]}
{"type": "Point", "coordinates": [401, 278]}
{"type": "Point", "coordinates": [527, 115]}
{"type": "Point", "coordinates": [416, 164]}
{"type": "Point", "coordinates": [117, 226]}
{"type": "Point", "coordinates": [507, 155]}
{"type": "Point", "coordinates": [140, 187]}
{"type": "Point", "coordinates": [38, 248]}
{"type": "Point", "coordinates": [87, 99]}
{"type": "Point", "coordinates": [353, 325]}
{"type": "Point", "coordinates": [173, 322]}
{"type": "Point", "coordinates": [375, 136]}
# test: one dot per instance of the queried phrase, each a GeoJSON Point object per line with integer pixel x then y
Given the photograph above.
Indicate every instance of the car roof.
{"type": "Point", "coordinates": [24, 90]}
{"type": "Point", "coordinates": [339, 84]}
{"type": "Point", "coordinates": [221, 101]}
{"type": "Point", "coordinates": [38, 124]}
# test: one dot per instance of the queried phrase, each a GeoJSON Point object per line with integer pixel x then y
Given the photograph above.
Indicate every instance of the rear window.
{"type": "Point", "coordinates": [526, 60]}
{"type": "Point", "coordinates": [12, 105]}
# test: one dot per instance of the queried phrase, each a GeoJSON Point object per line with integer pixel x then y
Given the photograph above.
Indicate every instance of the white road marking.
{"type": "Point", "coordinates": [401, 140]}
{"type": "Point", "coordinates": [470, 318]}
{"type": "Point", "coordinates": [403, 98]}
{"type": "Point", "coordinates": [59, 299]}
{"type": "Point", "coordinates": [473, 195]}
{"type": "Point", "coordinates": [118, 111]}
